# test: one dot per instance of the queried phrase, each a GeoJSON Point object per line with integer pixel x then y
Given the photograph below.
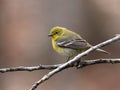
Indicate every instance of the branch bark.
{"type": "Point", "coordinates": [32, 68]}
{"type": "Point", "coordinates": [72, 61]}
{"type": "Point", "coordinates": [59, 67]}
{"type": "Point", "coordinates": [51, 67]}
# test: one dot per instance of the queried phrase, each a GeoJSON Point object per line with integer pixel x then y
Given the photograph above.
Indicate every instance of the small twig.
{"type": "Point", "coordinates": [50, 67]}
{"type": "Point", "coordinates": [98, 61]}
{"type": "Point", "coordinates": [71, 62]}
{"type": "Point", "coordinates": [32, 68]}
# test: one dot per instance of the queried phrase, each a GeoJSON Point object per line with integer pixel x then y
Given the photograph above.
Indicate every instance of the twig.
{"type": "Point", "coordinates": [50, 67]}
{"type": "Point", "coordinates": [98, 61]}
{"type": "Point", "coordinates": [72, 61]}
{"type": "Point", "coordinates": [32, 68]}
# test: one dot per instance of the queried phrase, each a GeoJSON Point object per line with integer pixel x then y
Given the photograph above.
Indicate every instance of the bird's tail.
{"type": "Point", "coordinates": [101, 50]}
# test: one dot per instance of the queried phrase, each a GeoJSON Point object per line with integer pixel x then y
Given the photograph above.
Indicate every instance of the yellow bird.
{"type": "Point", "coordinates": [69, 43]}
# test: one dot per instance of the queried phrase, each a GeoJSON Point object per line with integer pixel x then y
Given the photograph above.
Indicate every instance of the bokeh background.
{"type": "Point", "coordinates": [24, 26]}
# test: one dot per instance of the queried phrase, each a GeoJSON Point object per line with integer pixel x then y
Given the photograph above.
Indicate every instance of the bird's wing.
{"type": "Point", "coordinates": [74, 44]}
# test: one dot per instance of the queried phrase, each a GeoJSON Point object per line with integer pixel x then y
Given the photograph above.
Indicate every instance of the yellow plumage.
{"type": "Point", "coordinates": [68, 43]}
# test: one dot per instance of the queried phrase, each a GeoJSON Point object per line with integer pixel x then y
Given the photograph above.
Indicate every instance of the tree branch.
{"type": "Point", "coordinates": [50, 67]}
{"type": "Point", "coordinates": [72, 61]}
{"type": "Point", "coordinates": [59, 67]}
{"type": "Point", "coordinates": [32, 68]}
{"type": "Point", "coordinates": [98, 61]}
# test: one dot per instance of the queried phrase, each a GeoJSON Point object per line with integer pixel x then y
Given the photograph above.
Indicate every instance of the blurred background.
{"type": "Point", "coordinates": [24, 26]}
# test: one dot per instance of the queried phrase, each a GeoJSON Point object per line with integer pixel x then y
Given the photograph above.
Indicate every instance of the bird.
{"type": "Point", "coordinates": [68, 43]}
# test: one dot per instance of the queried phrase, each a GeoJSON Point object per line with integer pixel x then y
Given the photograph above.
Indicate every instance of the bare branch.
{"type": "Point", "coordinates": [32, 68]}
{"type": "Point", "coordinates": [98, 61]}
{"type": "Point", "coordinates": [59, 67]}
{"type": "Point", "coordinates": [50, 67]}
{"type": "Point", "coordinates": [72, 61]}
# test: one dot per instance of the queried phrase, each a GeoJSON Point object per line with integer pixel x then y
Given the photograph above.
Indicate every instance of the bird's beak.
{"type": "Point", "coordinates": [50, 35]}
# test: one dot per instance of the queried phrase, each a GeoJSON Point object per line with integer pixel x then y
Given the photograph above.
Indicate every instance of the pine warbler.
{"type": "Point", "coordinates": [68, 43]}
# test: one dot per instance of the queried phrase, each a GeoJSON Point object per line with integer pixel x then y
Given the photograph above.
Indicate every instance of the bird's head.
{"type": "Point", "coordinates": [56, 32]}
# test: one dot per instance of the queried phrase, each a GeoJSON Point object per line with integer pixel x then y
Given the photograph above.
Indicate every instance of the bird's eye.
{"type": "Point", "coordinates": [56, 32]}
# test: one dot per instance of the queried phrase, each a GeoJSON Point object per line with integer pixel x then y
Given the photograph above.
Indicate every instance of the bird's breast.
{"type": "Point", "coordinates": [64, 51]}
